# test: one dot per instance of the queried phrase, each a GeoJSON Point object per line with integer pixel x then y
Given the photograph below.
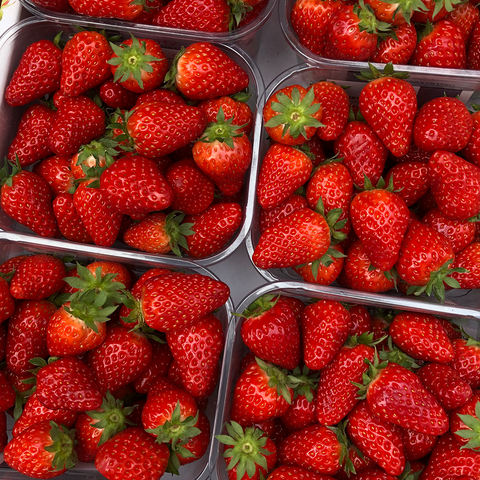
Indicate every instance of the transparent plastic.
{"type": "Point", "coordinates": [305, 74]}
{"type": "Point", "coordinates": [12, 244]}
{"type": "Point", "coordinates": [12, 45]}
{"type": "Point", "coordinates": [468, 318]}
{"type": "Point", "coordinates": [247, 37]}
{"type": "Point", "coordinates": [429, 73]}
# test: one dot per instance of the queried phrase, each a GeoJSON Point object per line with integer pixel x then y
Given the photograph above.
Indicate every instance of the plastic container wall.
{"type": "Point", "coordinates": [12, 244]}
{"type": "Point", "coordinates": [14, 42]}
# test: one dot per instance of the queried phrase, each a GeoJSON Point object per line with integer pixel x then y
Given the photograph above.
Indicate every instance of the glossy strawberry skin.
{"type": "Point", "coordinates": [149, 235]}
{"type": "Point", "coordinates": [417, 445]}
{"type": "Point", "coordinates": [56, 171]}
{"type": "Point", "coordinates": [411, 181]}
{"type": "Point", "coordinates": [397, 51]}
{"type": "Point", "coordinates": [286, 472]}
{"type": "Point", "coordinates": [114, 95]}
{"type": "Point", "coordinates": [300, 414]}
{"type": "Point", "coordinates": [468, 258]}
{"type": "Point", "coordinates": [466, 361]}
{"type": "Point", "coordinates": [158, 367]}
{"type": "Point", "coordinates": [7, 302]}
{"type": "Point", "coordinates": [456, 424]}
{"type": "Point", "coordinates": [269, 217]}
{"type": "Point", "coordinates": [69, 221]}
{"type": "Point", "coordinates": [7, 393]}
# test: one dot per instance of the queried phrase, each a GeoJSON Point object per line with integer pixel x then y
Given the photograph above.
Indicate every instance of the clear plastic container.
{"type": "Point", "coordinates": [12, 45]}
{"type": "Point", "coordinates": [467, 317]}
{"type": "Point", "coordinates": [429, 73]}
{"type": "Point", "coordinates": [12, 244]}
{"type": "Point", "coordinates": [247, 37]}
{"type": "Point", "coordinates": [304, 74]}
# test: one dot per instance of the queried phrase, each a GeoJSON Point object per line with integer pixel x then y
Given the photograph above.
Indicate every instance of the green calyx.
{"type": "Point", "coordinates": [341, 432]}
{"type": "Point", "coordinates": [472, 433]}
{"type": "Point", "coordinates": [260, 305]}
{"type": "Point", "coordinates": [295, 114]}
{"type": "Point", "coordinates": [177, 231]}
{"type": "Point", "coordinates": [238, 10]}
{"type": "Point", "coordinates": [374, 73]}
{"type": "Point", "coordinates": [221, 131]}
{"type": "Point", "coordinates": [448, 4]}
{"type": "Point", "coordinates": [279, 378]}
{"type": "Point", "coordinates": [90, 314]}
{"type": "Point", "coordinates": [132, 61]}
{"type": "Point", "coordinates": [367, 377]}
{"type": "Point", "coordinates": [112, 417]}
{"type": "Point", "coordinates": [171, 76]}
{"type": "Point", "coordinates": [247, 452]}
{"type": "Point", "coordinates": [395, 355]}
{"type": "Point", "coordinates": [368, 21]}
{"type": "Point", "coordinates": [6, 177]}
{"type": "Point", "coordinates": [365, 338]}
{"type": "Point", "coordinates": [304, 382]}
{"type": "Point", "coordinates": [406, 7]}
{"type": "Point", "coordinates": [335, 225]}
{"type": "Point", "coordinates": [62, 447]}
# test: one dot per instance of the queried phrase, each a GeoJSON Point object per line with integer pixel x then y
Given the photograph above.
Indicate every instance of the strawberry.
{"type": "Point", "coordinates": [397, 13]}
{"type": "Point", "coordinates": [473, 52]}
{"type": "Point", "coordinates": [300, 448]}
{"type": "Point", "coordinates": [56, 171]}
{"type": "Point", "coordinates": [467, 259]}
{"type": "Point", "coordinates": [3, 341]}
{"type": "Point", "coordinates": [284, 169]}
{"type": "Point", "coordinates": [79, 391]}
{"type": "Point", "coordinates": [455, 184]}
{"type": "Point", "coordinates": [177, 300]}
{"type": "Point", "coordinates": [7, 395]}
{"type": "Point", "coordinates": [202, 71]}
{"type": "Point", "coordinates": [388, 92]}
{"type": "Point", "coordinates": [464, 421]}
{"type": "Point", "coordinates": [286, 472]}
{"type": "Point", "coordinates": [417, 445]}
{"type": "Point", "coordinates": [135, 187]}
{"type": "Point", "coordinates": [198, 445]}
{"type": "Point", "coordinates": [121, 358]}
{"type": "Point", "coordinates": [446, 385]}
{"type": "Point", "coordinates": [101, 221]}
{"type": "Point", "coordinates": [38, 73]}
{"type": "Point", "coordinates": [362, 322]}
{"type": "Point", "coordinates": [135, 449]}
{"type": "Point", "coordinates": [421, 336]}
{"type": "Point", "coordinates": [271, 216]}
{"type": "Point", "coordinates": [7, 302]}
{"type": "Point", "coordinates": [465, 16]}
{"type": "Point", "coordinates": [397, 51]}
{"type": "Point", "coordinates": [443, 123]}
{"type": "Point", "coordinates": [433, 11]}
{"type": "Point", "coordinates": [466, 360]}
{"type": "Point", "coordinates": [271, 331]}
{"type": "Point", "coordinates": [159, 95]}
{"type": "Point", "coordinates": [248, 453]}
{"type": "Point", "coordinates": [31, 140]}
{"type": "Point", "coordinates": [114, 95]}
{"type": "Point", "coordinates": [223, 154]}
{"type": "Point", "coordinates": [43, 450]}
{"type": "Point", "coordinates": [78, 121]}
{"type": "Point", "coordinates": [158, 367]}
{"type": "Point", "coordinates": [325, 327]}
{"type": "Point", "coordinates": [92, 159]}
{"type": "Point", "coordinates": [27, 331]}
{"type": "Point", "coordinates": [193, 191]}
{"type": "Point", "coordinates": [3, 431]}
{"type": "Point", "coordinates": [34, 412]}
{"type": "Point", "coordinates": [362, 151]}
{"type": "Point", "coordinates": [301, 237]}
{"type": "Point", "coordinates": [69, 222]}
{"type": "Point", "coordinates": [337, 395]}
{"type": "Point", "coordinates": [138, 64]}
{"type": "Point", "coordinates": [205, 16]}
{"type": "Point", "coordinates": [212, 229]}
{"type": "Point", "coordinates": [472, 152]}
{"type": "Point", "coordinates": [157, 119]}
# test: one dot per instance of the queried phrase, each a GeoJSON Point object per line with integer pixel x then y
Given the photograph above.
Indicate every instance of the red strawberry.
{"type": "Point", "coordinates": [158, 367]}
{"type": "Point", "coordinates": [467, 360]}
{"type": "Point", "coordinates": [417, 445]}
{"type": "Point", "coordinates": [114, 95]}
{"type": "Point", "coordinates": [132, 448]}
{"type": "Point", "coordinates": [465, 16]}
{"type": "Point", "coordinates": [464, 421]}
{"type": "Point", "coordinates": [202, 71]}
{"type": "Point", "coordinates": [69, 221]}
{"type": "Point", "coordinates": [206, 15]}
{"type": "Point", "coordinates": [37, 74]}
{"type": "Point", "coordinates": [84, 63]}
{"type": "Point", "coordinates": [421, 336]}
{"type": "Point", "coordinates": [271, 216]}
{"type": "Point", "coordinates": [27, 334]}
{"type": "Point", "coordinates": [178, 300]}
{"type": "Point", "coordinates": [138, 64]}
{"type": "Point", "coordinates": [441, 44]}
{"type": "Point", "coordinates": [159, 95]}
{"type": "Point", "coordinates": [325, 326]}
{"type": "Point", "coordinates": [397, 51]}
{"type": "Point", "coordinates": [3, 341]}
{"type": "Point", "coordinates": [56, 171]}
{"type": "Point", "coordinates": [7, 302]}
{"type": "Point", "coordinates": [213, 229]}
{"type": "Point", "coordinates": [198, 445]}
{"type": "Point", "coordinates": [286, 472]}
{"type": "Point", "coordinates": [455, 184]}
{"type": "Point", "coordinates": [473, 52]}
{"type": "Point", "coordinates": [7, 393]}
{"type": "Point", "coordinates": [414, 154]}
{"type": "Point", "coordinates": [443, 123]}
{"type": "Point", "coordinates": [271, 331]}
{"type": "Point", "coordinates": [472, 151]}
{"type": "Point", "coordinates": [28, 454]}
{"type": "Point", "coordinates": [467, 259]}
{"type": "Point", "coordinates": [31, 140]}
{"type": "Point", "coordinates": [362, 323]}
{"type": "Point", "coordinates": [284, 169]}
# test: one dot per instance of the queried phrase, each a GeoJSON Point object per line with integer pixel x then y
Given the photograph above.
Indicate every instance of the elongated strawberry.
{"type": "Point", "coordinates": [68, 220]}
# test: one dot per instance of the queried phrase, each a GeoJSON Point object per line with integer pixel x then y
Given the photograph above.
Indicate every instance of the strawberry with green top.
{"type": "Point", "coordinates": [396, 49]}
{"type": "Point", "coordinates": [396, 12]}
{"type": "Point", "coordinates": [68, 220]}
{"type": "Point", "coordinates": [57, 172]}
{"type": "Point", "coordinates": [466, 360]}
{"type": "Point", "coordinates": [465, 423]}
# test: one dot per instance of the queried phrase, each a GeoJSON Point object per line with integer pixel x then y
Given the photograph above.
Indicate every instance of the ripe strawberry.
{"type": "Point", "coordinates": [467, 259]}
{"type": "Point", "coordinates": [223, 154]}
{"type": "Point", "coordinates": [101, 221]}
{"type": "Point", "coordinates": [31, 140]}
{"type": "Point", "coordinates": [159, 95]}
{"type": "Point", "coordinates": [251, 452]}
{"type": "Point", "coordinates": [286, 472]}
{"type": "Point", "coordinates": [467, 360]}
{"type": "Point", "coordinates": [417, 445]}
{"type": "Point", "coordinates": [149, 126]}
{"type": "Point", "coordinates": [301, 449]}
{"type": "Point", "coordinates": [464, 421]}
{"type": "Point", "coordinates": [56, 171]}
{"type": "Point", "coordinates": [78, 121]}
{"type": "Point", "coordinates": [7, 393]}
{"type": "Point", "coordinates": [421, 336]}
{"type": "Point", "coordinates": [3, 341]}
{"type": "Point", "coordinates": [271, 216]}
{"type": "Point", "coordinates": [138, 64]}
{"type": "Point", "coordinates": [362, 322]}
{"type": "Point", "coordinates": [69, 222]}
{"type": "Point", "coordinates": [397, 51]}
{"type": "Point", "coordinates": [135, 449]}
{"type": "Point", "coordinates": [43, 450]}
{"type": "Point", "coordinates": [455, 184]}
{"type": "Point", "coordinates": [121, 358]}
{"type": "Point", "coordinates": [114, 95]}
{"type": "Point", "coordinates": [178, 300]}
{"type": "Point", "coordinates": [212, 229]}
{"type": "Point", "coordinates": [38, 73]}
{"type": "Point", "coordinates": [441, 44]}
{"type": "Point", "coordinates": [7, 302]}
{"type": "Point", "coordinates": [206, 15]}
{"type": "Point", "coordinates": [158, 367]}
{"type": "Point", "coordinates": [284, 169]}
{"type": "Point", "coordinates": [202, 71]}
{"type": "Point", "coordinates": [26, 337]}
{"type": "Point", "coordinates": [473, 52]}
{"type": "Point", "coordinates": [198, 445]}
{"type": "Point", "coordinates": [301, 237]}
{"type": "Point", "coordinates": [362, 151]}
{"type": "Point", "coordinates": [465, 16]}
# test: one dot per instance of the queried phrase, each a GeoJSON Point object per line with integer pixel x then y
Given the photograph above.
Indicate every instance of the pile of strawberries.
{"type": "Point", "coordinates": [104, 368]}
{"type": "Point", "coordinates": [335, 391]}
{"type": "Point", "coordinates": [201, 15]}
{"type": "Point", "coordinates": [397, 204]}
{"type": "Point", "coordinates": [426, 33]}
{"type": "Point", "coordinates": [126, 148]}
